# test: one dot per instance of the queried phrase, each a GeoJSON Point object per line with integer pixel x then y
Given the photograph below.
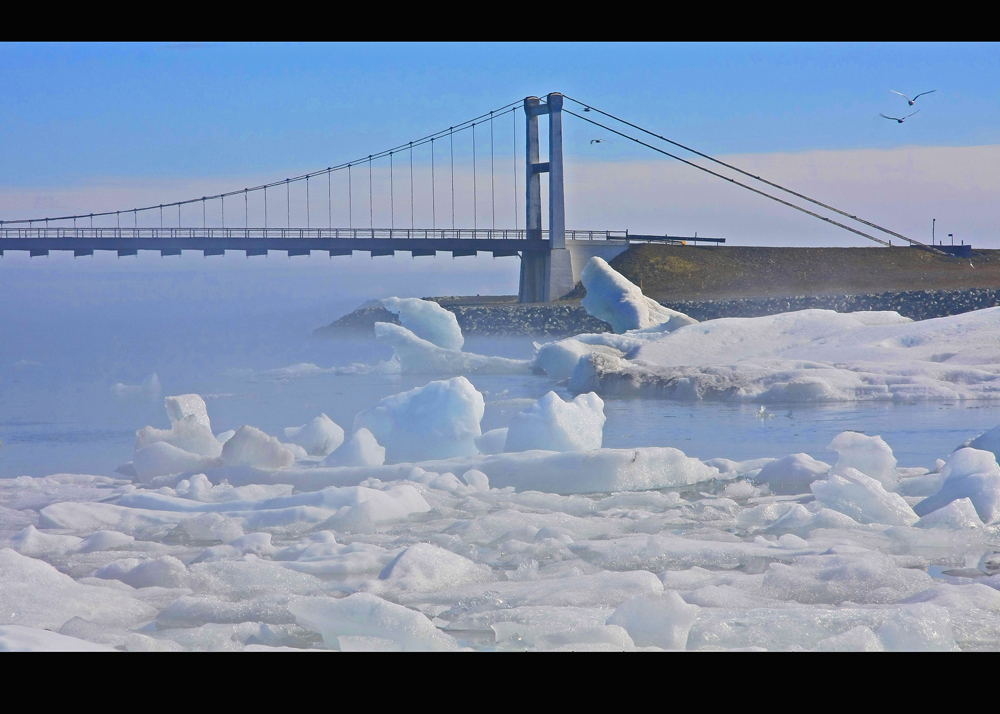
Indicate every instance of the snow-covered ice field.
{"type": "Point", "coordinates": [808, 481]}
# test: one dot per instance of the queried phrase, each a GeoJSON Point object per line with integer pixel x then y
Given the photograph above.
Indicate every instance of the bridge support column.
{"type": "Point", "coordinates": [545, 276]}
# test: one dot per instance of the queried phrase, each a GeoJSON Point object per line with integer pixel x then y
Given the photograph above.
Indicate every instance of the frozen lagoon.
{"type": "Point", "coordinates": [442, 562]}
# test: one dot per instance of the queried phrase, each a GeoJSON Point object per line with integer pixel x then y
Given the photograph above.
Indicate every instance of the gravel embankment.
{"type": "Point", "coordinates": [569, 318]}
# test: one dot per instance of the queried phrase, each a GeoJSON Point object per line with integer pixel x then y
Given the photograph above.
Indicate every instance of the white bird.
{"type": "Point", "coordinates": [911, 101]}
{"type": "Point", "coordinates": [897, 119]}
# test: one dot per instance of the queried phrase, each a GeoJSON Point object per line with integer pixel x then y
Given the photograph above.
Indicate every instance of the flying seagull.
{"type": "Point", "coordinates": [599, 141]}
{"type": "Point", "coordinates": [895, 119]}
{"type": "Point", "coordinates": [911, 101]}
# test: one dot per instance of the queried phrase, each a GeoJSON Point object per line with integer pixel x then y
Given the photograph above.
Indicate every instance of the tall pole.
{"type": "Point", "coordinates": [557, 206]}
{"type": "Point", "coordinates": [533, 188]}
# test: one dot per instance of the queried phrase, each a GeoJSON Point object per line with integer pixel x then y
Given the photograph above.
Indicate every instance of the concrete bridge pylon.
{"type": "Point", "coordinates": [546, 275]}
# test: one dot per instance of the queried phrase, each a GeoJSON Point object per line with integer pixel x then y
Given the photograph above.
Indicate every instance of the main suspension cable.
{"type": "Point", "coordinates": [733, 181]}
{"type": "Point", "coordinates": [263, 187]}
{"type": "Point", "coordinates": [747, 173]}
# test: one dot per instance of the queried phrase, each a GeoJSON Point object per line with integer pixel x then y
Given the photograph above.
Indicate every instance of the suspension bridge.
{"type": "Point", "coordinates": [551, 257]}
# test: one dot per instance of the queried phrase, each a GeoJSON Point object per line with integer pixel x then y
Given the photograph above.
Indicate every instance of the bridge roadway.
{"type": "Point", "coordinates": [294, 241]}
{"type": "Point", "coordinates": [302, 241]}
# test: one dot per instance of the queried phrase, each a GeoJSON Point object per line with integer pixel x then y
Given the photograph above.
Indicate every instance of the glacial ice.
{"type": "Point", "coordinates": [492, 441]}
{"type": "Point", "coordinates": [554, 425]}
{"type": "Point", "coordinates": [253, 447]}
{"type": "Point", "coordinates": [862, 498]}
{"type": "Point", "coordinates": [559, 359]}
{"type": "Point", "coordinates": [415, 355]}
{"type": "Point", "coordinates": [464, 541]}
{"type": "Point", "coordinates": [613, 298]}
{"type": "Point", "coordinates": [362, 449]}
{"type": "Point", "coordinates": [427, 320]}
{"type": "Point", "coordinates": [811, 355]}
{"type": "Point", "coordinates": [968, 473]}
{"type": "Point", "coordinates": [868, 454]}
{"type": "Point", "coordinates": [319, 437]}
{"type": "Point", "coordinates": [149, 387]}
{"type": "Point", "coordinates": [17, 638]}
{"type": "Point", "coordinates": [660, 620]}
{"type": "Point", "coordinates": [163, 459]}
{"type": "Point", "coordinates": [365, 615]}
{"type": "Point", "coordinates": [791, 474]}
{"type": "Point", "coordinates": [439, 420]}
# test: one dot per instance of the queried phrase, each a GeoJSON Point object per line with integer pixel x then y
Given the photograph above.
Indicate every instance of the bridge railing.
{"type": "Point", "coordinates": [298, 233]}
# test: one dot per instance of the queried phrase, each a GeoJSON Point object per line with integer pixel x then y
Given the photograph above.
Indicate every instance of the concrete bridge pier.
{"type": "Point", "coordinates": [545, 275]}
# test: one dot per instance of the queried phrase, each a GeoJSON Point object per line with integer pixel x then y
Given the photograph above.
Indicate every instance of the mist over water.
{"type": "Point", "coordinates": [70, 329]}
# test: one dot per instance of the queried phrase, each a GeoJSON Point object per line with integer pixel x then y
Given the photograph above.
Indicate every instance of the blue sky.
{"type": "Point", "coordinates": [72, 113]}
{"type": "Point", "coordinates": [103, 127]}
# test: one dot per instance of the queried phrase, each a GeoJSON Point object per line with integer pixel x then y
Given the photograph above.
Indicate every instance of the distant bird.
{"type": "Point", "coordinates": [897, 119]}
{"type": "Point", "coordinates": [911, 101]}
{"type": "Point", "coordinates": [586, 109]}
{"type": "Point", "coordinates": [599, 141]}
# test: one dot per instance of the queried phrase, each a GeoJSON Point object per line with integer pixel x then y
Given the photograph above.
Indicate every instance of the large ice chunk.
{"type": "Point", "coordinates": [554, 425]}
{"type": "Point", "coordinates": [163, 459]}
{"type": "Point", "coordinates": [427, 320]}
{"type": "Point", "coordinates": [968, 473]}
{"type": "Point", "coordinates": [437, 421]}
{"type": "Point", "coordinates": [253, 447]}
{"type": "Point", "coordinates": [659, 619]}
{"type": "Point", "coordinates": [960, 514]}
{"type": "Point", "coordinates": [425, 567]}
{"type": "Point", "coordinates": [190, 428]}
{"type": "Point", "coordinates": [988, 441]}
{"type": "Point", "coordinates": [150, 387]}
{"type": "Point", "coordinates": [187, 405]}
{"type": "Point", "coordinates": [415, 355]}
{"type": "Point", "coordinates": [559, 359]}
{"type": "Point", "coordinates": [365, 615]}
{"type": "Point", "coordinates": [17, 638]}
{"type": "Point", "coordinates": [616, 300]}
{"type": "Point", "coordinates": [492, 441]}
{"type": "Point", "coordinates": [868, 454]}
{"type": "Point", "coordinates": [863, 498]}
{"type": "Point", "coordinates": [319, 437]}
{"type": "Point", "coordinates": [34, 594]}
{"type": "Point", "coordinates": [362, 449]}
{"type": "Point", "coordinates": [792, 474]}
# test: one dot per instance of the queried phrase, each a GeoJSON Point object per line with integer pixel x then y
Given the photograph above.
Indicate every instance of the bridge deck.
{"type": "Point", "coordinates": [298, 241]}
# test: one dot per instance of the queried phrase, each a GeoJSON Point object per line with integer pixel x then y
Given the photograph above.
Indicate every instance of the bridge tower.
{"type": "Point", "coordinates": [546, 275]}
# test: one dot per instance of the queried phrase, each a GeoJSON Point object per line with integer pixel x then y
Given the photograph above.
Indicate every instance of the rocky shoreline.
{"type": "Point", "coordinates": [504, 316]}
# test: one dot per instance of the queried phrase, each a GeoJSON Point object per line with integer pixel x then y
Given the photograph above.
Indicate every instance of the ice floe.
{"type": "Point", "coordinates": [427, 320]}
{"type": "Point", "coordinates": [554, 425]}
{"type": "Point", "coordinates": [616, 300]}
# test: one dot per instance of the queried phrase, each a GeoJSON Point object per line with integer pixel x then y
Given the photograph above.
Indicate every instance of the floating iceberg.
{"type": "Point", "coordinates": [319, 437]}
{"type": "Point", "coordinates": [150, 387]}
{"type": "Point", "coordinates": [792, 474]}
{"type": "Point", "coordinates": [437, 421]}
{"type": "Point", "coordinates": [362, 449]}
{"type": "Point", "coordinates": [613, 298]}
{"type": "Point", "coordinates": [863, 498]}
{"type": "Point", "coordinates": [811, 355]}
{"type": "Point", "coordinates": [868, 454]}
{"type": "Point", "coordinates": [253, 447]}
{"type": "Point", "coordinates": [968, 473]}
{"type": "Point", "coordinates": [190, 428]}
{"type": "Point", "coordinates": [427, 320]}
{"type": "Point", "coordinates": [164, 459]}
{"type": "Point", "coordinates": [554, 425]}
{"type": "Point", "coordinates": [416, 355]}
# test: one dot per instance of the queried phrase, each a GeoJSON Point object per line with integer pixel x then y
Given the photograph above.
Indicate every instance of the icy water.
{"type": "Point", "coordinates": [717, 565]}
{"type": "Point", "coordinates": [58, 418]}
